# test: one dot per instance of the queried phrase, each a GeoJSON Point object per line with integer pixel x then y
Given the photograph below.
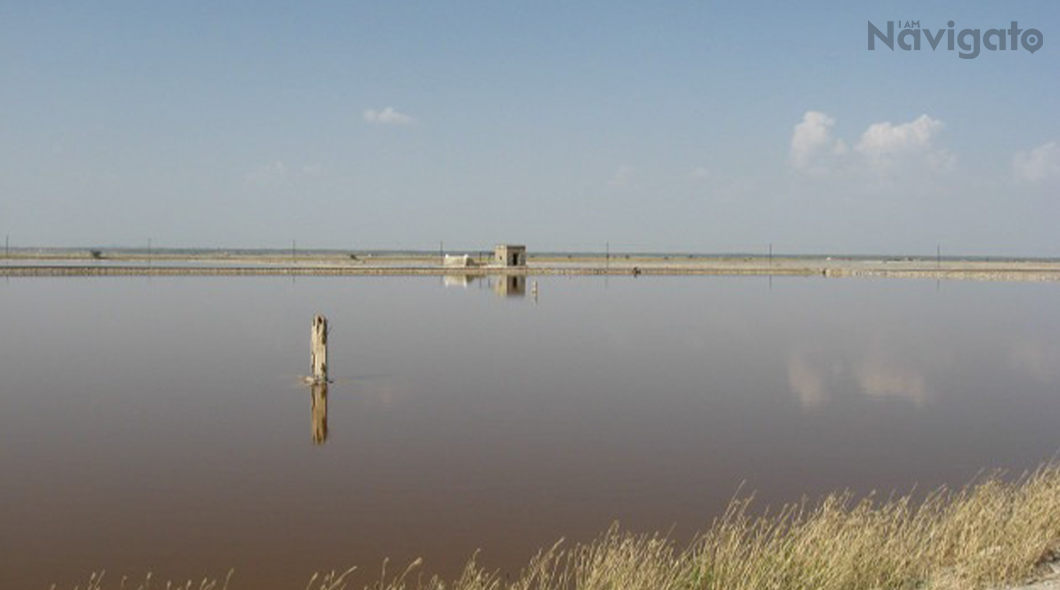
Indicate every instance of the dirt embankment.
{"type": "Point", "coordinates": [221, 264]}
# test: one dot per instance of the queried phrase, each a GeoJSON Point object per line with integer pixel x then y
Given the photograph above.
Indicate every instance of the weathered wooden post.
{"type": "Point", "coordinates": [320, 413]}
{"type": "Point", "coordinates": [320, 349]}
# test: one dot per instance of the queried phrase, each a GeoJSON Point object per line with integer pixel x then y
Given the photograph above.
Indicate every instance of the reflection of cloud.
{"type": "Point", "coordinates": [806, 382]}
{"type": "Point", "coordinates": [875, 377]}
{"type": "Point", "coordinates": [880, 379]}
{"type": "Point", "coordinates": [1039, 361]}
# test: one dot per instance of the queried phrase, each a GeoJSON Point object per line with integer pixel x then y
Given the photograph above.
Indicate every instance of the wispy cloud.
{"type": "Point", "coordinates": [271, 173]}
{"type": "Point", "coordinates": [388, 116]}
{"type": "Point", "coordinates": [1039, 165]}
{"type": "Point", "coordinates": [278, 172]}
{"type": "Point", "coordinates": [623, 177]}
{"type": "Point", "coordinates": [699, 173]}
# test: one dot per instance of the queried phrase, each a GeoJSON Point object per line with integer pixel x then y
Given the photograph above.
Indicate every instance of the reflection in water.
{"type": "Point", "coordinates": [320, 413]}
{"type": "Point", "coordinates": [459, 280]}
{"type": "Point", "coordinates": [671, 393]}
{"type": "Point", "coordinates": [510, 286]}
{"type": "Point", "coordinates": [502, 286]}
{"type": "Point", "coordinates": [1037, 360]}
{"type": "Point", "coordinates": [882, 379]}
{"type": "Point", "coordinates": [806, 382]}
{"type": "Point", "coordinates": [875, 376]}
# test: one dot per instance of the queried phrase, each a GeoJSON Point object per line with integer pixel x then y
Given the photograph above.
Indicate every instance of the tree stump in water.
{"type": "Point", "coordinates": [320, 349]}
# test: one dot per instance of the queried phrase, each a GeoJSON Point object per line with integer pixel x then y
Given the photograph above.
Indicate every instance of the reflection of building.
{"type": "Point", "coordinates": [509, 255]}
{"type": "Point", "coordinates": [458, 280]}
{"type": "Point", "coordinates": [320, 413]}
{"type": "Point", "coordinates": [510, 286]}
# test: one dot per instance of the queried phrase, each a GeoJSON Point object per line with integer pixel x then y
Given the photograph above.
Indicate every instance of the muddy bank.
{"type": "Point", "coordinates": [413, 265]}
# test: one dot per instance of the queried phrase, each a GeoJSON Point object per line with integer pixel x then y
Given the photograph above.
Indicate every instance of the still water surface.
{"type": "Point", "coordinates": [159, 424]}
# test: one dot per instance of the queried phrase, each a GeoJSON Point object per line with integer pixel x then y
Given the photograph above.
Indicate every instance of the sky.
{"type": "Point", "coordinates": [650, 126]}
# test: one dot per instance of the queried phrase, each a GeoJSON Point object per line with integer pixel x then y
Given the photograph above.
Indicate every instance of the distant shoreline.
{"type": "Point", "coordinates": [131, 263]}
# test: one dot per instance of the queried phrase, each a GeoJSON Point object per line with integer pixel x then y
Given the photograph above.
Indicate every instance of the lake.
{"type": "Point", "coordinates": [161, 425]}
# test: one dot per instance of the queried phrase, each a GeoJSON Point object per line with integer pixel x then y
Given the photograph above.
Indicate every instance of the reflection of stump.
{"type": "Point", "coordinates": [320, 413]}
{"type": "Point", "coordinates": [320, 349]}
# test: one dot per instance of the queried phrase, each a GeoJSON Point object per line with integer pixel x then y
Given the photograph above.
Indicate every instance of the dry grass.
{"type": "Point", "coordinates": [989, 534]}
{"type": "Point", "coordinates": [95, 582]}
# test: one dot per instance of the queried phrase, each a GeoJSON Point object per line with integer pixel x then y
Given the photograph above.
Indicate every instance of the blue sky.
{"type": "Point", "coordinates": [693, 126]}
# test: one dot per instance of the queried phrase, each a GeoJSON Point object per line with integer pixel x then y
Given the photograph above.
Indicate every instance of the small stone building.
{"type": "Point", "coordinates": [509, 255]}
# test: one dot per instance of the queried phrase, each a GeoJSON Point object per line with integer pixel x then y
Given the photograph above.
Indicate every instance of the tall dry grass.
{"type": "Point", "coordinates": [991, 533]}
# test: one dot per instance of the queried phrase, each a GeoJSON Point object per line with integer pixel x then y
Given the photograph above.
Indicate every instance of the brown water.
{"type": "Point", "coordinates": [159, 424]}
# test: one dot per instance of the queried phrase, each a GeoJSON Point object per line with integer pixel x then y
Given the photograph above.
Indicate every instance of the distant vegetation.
{"type": "Point", "coordinates": [989, 534]}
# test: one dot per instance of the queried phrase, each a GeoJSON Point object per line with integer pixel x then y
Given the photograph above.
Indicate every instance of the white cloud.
{"type": "Point", "coordinates": [941, 160]}
{"type": "Point", "coordinates": [883, 147]}
{"type": "Point", "coordinates": [388, 116]}
{"type": "Point", "coordinates": [1041, 164]}
{"type": "Point", "coordinates": [812, 143]}
{"type": "Point", "coordinates": [882, 139]}
{"type": "Point", "coordinates": [886, 146]}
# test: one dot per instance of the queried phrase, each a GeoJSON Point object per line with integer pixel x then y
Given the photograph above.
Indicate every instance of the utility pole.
{"type": "Point", "coordinates": [771, 254]}
{"type": "Point", "coordinates": [441, 252]}
{"type": "Point", "coordinates": [294, 250]}
{"type": "Point", "coordinates": [148, 251]}
{"type": "Point", "coordinates": [607, 259]}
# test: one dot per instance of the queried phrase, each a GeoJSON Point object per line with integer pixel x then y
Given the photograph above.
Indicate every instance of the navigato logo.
{"type": "Point", "coordinates": [910, 38]}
